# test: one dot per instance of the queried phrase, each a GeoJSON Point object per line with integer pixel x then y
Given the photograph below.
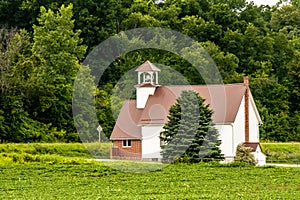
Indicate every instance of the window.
{"type": "Point", "coordinates": [126, 143]}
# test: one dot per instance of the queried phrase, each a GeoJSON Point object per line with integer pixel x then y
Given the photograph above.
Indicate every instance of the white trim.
{"type": "Point", "coordinates": [240, 104]}
{"type": "Point", "coordinates": [127, 143]}
{"type": "Point", "coordinates": [225, 123]}
{"type": "Point", "coordinates": [255, 108]}
{"type": "Point", "coordinates": [139, 77]}
{"type": "Point", "coordinates": [113, 139]}
{"type": "Point", "coordinates": [233, 144]}
{"type": "Point", "coordinates": [152, 124]}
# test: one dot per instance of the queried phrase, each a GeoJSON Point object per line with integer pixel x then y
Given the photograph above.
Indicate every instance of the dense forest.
{"type": "Point", "coordinates": [44, 42]}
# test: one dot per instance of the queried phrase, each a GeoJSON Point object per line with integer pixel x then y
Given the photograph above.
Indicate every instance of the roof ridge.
{"type": "Point", "coordinates": [228, 84]}
{"type": "Point", "coordinates": [147, 66]}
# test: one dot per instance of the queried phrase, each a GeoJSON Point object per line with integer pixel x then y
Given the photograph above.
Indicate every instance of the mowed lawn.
{"type": "Point", "coordinates": [180, 181]}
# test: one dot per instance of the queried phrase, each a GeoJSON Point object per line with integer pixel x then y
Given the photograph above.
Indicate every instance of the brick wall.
{"type": "Point", "coordinates": [130, 153]}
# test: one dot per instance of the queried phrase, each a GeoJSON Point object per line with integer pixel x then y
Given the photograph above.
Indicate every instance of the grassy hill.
{"type": "Point", "coordinates": [282, 152]}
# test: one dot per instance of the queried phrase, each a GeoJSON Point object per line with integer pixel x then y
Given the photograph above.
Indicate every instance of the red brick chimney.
{"type": "Point", "coordinates": [246, 83]}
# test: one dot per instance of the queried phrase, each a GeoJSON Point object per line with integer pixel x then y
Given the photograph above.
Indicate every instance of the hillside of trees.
{"type": "Point", "coordinates": [43, 43]}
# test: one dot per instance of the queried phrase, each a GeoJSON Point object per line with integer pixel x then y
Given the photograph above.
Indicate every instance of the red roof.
{"type": "Point", "coordinates": [252, 145]}
{"type": "Point", "coordinates": [126, 126]}
{"type": "Point", "coordinates": [146, 67]}
{"type": "Point", "coordinates": [224, 100]}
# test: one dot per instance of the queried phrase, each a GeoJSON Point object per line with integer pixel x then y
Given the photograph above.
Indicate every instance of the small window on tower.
{"type": "Point", "coordinates": [126, 143]}
{"type": "Point", "coordinates": [148, 78]}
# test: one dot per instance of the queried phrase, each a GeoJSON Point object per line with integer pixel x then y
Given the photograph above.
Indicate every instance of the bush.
{"type": "Point", "coordinates": [244, 155]}
{"type": "Point", "coordinates": [53, 152]}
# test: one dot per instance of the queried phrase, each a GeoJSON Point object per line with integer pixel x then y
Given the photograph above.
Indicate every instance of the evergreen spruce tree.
{"type": "Point", "coordinates": [189, 135]}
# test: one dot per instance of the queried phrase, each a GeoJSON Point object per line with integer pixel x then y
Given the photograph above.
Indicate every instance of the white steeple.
{"type": "Point", "coordinates": [147, 73]}
{"type": "Point", "coordinates": [147, 83]}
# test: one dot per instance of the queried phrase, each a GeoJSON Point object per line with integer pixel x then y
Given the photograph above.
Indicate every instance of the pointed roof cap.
{"type": "Point", "coordinates": [146, 67]}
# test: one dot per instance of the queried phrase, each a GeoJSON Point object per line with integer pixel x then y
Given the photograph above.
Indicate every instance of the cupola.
{"type": "Point", "coordinates": [147, 73]}
{"type": "Point", "coordinates": [147, 83]}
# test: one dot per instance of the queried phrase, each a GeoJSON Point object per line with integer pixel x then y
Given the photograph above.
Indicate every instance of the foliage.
{"type": "Point", "coordinates": [83, 91]}
{"type": "Point", "coordinates": [42, 44]}
{"type": "Point", "coordinates": [79, 150]}
{"type": "Point", "coordinates": [189, 135]}
{"type": "Point", "coordinates": [41, 159]}
{"type": "Point", "coordinates": [58, 45]}
{"type": "Point", "coordinates": [244, 154]}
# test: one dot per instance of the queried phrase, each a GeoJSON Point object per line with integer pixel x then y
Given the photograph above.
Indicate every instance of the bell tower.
{"type": "Point", "coordinates": [147, 83]}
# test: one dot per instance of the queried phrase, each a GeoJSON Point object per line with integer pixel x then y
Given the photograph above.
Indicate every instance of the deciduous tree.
{"type": "Point", "coordinates": [59, 47]}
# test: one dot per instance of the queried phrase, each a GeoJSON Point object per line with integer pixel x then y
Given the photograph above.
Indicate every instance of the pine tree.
{"type": "Point", "coordinates": [189, 135]}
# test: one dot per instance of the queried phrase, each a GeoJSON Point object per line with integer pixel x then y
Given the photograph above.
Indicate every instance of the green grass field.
{"type": "Point", "coordinates": [181, 181]}
{"type": "Point", "coordinates": [65, 171]}
{"type": "Point", "coordinates": [52, 152]}
{"type": "Point", "coordinates": [282, 152]}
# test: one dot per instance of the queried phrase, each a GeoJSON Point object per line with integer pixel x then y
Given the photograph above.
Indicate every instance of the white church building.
{"type": "Point", "coordinates": [136, 134]}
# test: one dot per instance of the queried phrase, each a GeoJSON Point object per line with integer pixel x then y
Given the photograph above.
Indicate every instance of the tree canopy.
{"type": "Point", "coordinates": [43, 43]}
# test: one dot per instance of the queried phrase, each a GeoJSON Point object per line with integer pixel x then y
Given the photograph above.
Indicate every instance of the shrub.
{"type": "Point", "coordinates": [243, 154]}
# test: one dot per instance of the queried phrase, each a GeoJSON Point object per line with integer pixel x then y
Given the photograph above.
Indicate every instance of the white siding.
{"type": "Point", "coordinates": [142, 95]}
{"type": "Point", "coordinates": [260, 157]}
{"type": "Point", "coordinates": [253, 123]}
{"type": "Point", "coordinates": [230, 134]}
{"type": "Point", "coordinates": [239, 126]}
{"type": "Point", "coordinates": [225, 135]}
{"type": "Point", "coordinates": [151, 142]}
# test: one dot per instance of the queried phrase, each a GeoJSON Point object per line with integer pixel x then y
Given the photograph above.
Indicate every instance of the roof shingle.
{"type": "Point", "coordinates": [126, 126]}
{"type": "Point", "coordinates": [146, 67]}
{"type": "Point", "coordinates": [224, 100]}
